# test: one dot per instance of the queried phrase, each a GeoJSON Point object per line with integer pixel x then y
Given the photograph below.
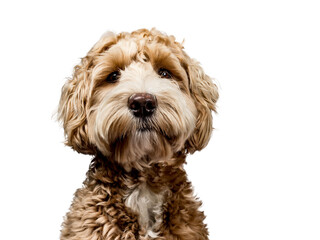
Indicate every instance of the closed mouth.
{"type": "Point", "coordinates": [145, 125]}
{"type": "Point", "coordinates": [145, 129]}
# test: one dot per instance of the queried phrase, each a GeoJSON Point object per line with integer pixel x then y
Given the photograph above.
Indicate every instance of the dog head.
{"type": "Point", "coordinates": [137, 97]}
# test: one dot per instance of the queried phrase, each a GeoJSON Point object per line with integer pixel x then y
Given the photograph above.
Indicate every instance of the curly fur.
{"type": "Point", "coordinates": [136, 187]}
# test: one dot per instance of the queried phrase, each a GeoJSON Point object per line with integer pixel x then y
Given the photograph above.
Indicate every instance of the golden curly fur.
{"type": "Point", "coordinates": [136, 187]}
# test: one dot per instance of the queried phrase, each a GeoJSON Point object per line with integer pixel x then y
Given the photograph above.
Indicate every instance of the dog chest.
{"type": "Point", "coordinates": [148, 205]}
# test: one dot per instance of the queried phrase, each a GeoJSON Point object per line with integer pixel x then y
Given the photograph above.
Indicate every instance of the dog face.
{"type": "Point", "coordinates": [137, 97]}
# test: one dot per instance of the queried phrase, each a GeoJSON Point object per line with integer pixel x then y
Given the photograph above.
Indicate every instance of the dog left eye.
{"type": "Point", "coordinates": [164, 73]}
{"type": "Point", "coordinates": [113, 77]}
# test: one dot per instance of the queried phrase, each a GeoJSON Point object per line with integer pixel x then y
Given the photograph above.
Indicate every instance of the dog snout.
{"type": "Point", "coordinates": [142, 104]}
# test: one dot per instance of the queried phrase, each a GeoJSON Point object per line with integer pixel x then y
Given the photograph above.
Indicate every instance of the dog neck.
{"type": "Point", "coordinates": [155, 174]}
{"type": "Point", "coordinates": [141, 192]}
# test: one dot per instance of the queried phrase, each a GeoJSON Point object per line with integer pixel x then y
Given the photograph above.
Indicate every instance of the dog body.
{"type": "Point", "coordinates": [139, 104]}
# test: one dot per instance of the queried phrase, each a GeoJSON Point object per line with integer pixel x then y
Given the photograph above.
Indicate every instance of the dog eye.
{"type": "Point", "coordinates": [164, 73]}
{"type": "Point", "coordinates": [113, 77]}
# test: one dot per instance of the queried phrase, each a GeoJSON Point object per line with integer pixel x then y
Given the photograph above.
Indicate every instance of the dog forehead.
{"type": "Point", "coordinates": [140, 45]}
{"type": "Point", "coordinates": [129, 46]}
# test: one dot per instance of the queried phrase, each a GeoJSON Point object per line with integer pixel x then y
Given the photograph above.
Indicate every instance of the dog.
{"type": "Point", "coordinates": [139, 104]}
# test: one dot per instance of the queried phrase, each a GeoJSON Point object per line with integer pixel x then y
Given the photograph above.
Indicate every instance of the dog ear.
{"type": "Point", "coordinates": [205, 95]}
{"type": "Point", "coordinates": [73, 109]}
{"type": "Point", "coordinates": [73, 106]}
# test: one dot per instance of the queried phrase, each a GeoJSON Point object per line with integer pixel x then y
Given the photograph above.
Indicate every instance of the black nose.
{"type": "Point", "coordinates": [142, 104]}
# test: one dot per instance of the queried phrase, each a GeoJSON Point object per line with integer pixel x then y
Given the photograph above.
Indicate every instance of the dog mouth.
{"type": "Point", "coordinates": [145, 129]}
{"type": "Point", "coordinates": [146, 125]}
{"type": "Point", "coordinates": [153, 129]}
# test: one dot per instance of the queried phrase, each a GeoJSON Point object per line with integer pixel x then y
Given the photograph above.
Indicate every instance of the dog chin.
{"type": "Point", "coordinates": [142, 148]}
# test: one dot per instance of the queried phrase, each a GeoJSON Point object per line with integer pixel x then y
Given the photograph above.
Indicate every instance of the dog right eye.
{"type": "Point", "coordinates": [113, 77]}
{"type": "Point", "coordinates": [164, 73]}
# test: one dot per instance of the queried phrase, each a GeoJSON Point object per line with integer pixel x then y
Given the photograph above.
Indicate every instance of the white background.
{"type": "Point", "coordinates": [259, 178]}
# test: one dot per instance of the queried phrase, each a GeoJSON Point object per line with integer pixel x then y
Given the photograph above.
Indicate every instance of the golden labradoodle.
{"type": "Point", "coordinates": [139, 104]}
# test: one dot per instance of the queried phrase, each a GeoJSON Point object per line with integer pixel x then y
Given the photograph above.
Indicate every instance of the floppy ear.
{"type": "Point", "coordinates": [73, 109]}
{"type": "Point", "coordinates": [205, 95]}
{"type": "Point", "coordinates": [73, 106]}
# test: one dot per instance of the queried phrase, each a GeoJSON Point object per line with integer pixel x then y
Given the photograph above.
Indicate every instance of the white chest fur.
{"type": "Point", "coordinates": [148, 205]}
